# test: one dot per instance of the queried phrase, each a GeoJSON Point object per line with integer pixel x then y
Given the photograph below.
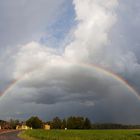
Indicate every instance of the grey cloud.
{"type": "Point", "coordinates": [23, 21]}
{"type": "Point", "coordinates": [71, 83]}
{"type": "Point", "coordinates": [54, 84]}
{"type": "Point", "coordinates": [125, 36]}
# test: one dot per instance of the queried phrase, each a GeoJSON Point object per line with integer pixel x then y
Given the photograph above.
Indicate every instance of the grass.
{"type": "Point", "coordinates": [81, 135]}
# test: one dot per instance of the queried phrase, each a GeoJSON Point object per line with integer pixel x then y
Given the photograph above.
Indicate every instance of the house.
{"type": "Point", "coordinates": [47, 127]}
{"type": "Point", "coordinates": [4, 125]}
{"type": "Point", "coordinates": [22, 127]}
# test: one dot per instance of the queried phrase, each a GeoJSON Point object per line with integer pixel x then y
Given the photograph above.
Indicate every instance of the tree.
{"type": "Point", "coordinates": [87, 124]}
{"type": "Point", "coordinates": [75, 122]}
{"type": "Point", "coordinates": [56, 123]}
{"type": "Point", "coordinates": [34, 122]}
{"type": "Point", "coordinates": [64, 124]}
{"type": "Point", "coordinates": [13, 123]}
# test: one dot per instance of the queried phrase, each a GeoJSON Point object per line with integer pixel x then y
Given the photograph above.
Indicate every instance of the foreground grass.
{"type": "Point", "coordinates": [81, 135]}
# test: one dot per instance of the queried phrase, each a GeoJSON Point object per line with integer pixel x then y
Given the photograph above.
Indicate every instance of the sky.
{"type": "Point", "coordinates": [74, 57]}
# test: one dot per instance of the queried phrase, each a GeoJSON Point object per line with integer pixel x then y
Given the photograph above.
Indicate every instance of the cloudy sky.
{"type": "Point", "coordinates": [74, 57]}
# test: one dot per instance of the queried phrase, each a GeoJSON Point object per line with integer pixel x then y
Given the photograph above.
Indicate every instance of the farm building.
{"type": "Point", "coordinates": [47, 127]}
{"type": "Point", "coordinates": [22, 127]}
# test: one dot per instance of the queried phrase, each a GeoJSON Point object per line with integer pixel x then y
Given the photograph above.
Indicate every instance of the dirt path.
{"type": "Point", "coordinates": [9, 135]}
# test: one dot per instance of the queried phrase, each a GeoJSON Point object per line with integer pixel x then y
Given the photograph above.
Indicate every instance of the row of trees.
{"type": "Point", "coordinates": [71, 123]}
{"type": "Point", "coordinates": [57, 123]}
{"type": "Point", "coordinates": [114, 126]}
{"type": "Point", "coordinates": [76, 123]}
{"type": "Point", "coordinates": [11, 124]}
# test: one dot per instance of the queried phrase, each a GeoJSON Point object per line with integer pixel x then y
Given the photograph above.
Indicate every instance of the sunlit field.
{"type": "Point", "coordinates": [81, 135]}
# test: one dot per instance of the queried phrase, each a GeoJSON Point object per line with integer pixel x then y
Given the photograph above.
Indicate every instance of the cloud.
{"type": "Point", "coordinates": [58, 82]}
{"type": "Point", "coordinates": [93, 37]}
{"type": "Point", "coordinates": [23, 21]}
{"type": "Point", "coordinates": [95, 19]}
{"type": "Point", "coordinates": [51, 79]}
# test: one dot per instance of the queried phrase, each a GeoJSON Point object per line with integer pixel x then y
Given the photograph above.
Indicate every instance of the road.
{"type": "Point", "coordinates": [10, 136]}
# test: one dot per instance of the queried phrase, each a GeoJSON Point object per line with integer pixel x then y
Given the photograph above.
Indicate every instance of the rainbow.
{"type": "Point", "coordinates": [12, 85]}
{"type": "Point", "coordinates": [15, 82]}
{"type": "Point", "coordinates": [113, 75]}
{"type": "Point", "coordinates": [91, 66]}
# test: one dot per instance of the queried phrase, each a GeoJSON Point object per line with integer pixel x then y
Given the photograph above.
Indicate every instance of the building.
{"type": "Point", "coordinates": [23, 127]}
{"type": "Point", "coordinates": [47, 127]}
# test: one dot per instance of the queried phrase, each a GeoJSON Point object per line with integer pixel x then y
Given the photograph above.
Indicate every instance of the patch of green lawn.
{"type": "Point", "coordinates": [81, 135]}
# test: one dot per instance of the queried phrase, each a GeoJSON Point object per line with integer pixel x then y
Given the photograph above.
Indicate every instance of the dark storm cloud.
{"type": "Point", "coordinates": [59, 84]}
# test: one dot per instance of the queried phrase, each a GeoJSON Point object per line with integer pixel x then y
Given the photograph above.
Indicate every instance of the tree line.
{"type": "Point", "coordinates": [78, 122]}
{"type": "Point", "coordinates": [72, 122]}
{"type": "Point", "coordinates": [57, 123]}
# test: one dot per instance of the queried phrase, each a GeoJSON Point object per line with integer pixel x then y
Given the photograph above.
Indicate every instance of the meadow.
{"type": "Point", "coordinates": [81, 135]}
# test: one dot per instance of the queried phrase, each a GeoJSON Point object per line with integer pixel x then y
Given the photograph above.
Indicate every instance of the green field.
{"type": "Point", "coordinates": [81, 135]}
